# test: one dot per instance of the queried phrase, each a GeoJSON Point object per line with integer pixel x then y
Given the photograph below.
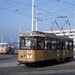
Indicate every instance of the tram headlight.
{"type": "Point", "coordinates": [25, 56]}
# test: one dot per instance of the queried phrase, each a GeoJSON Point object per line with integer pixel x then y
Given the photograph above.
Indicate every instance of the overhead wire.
{"type": "Point", "coordinates": [72, 5]}
{"type": "Point", "coordinates": [16, 6]}
{"type": "Point", "coordinates": [13, 10]}
{"type": "Point", "coordinates": [66, 3]}
{"type": "Point", "coordinates": [41, 4]}
{"type": "Point", "coordinates": [18, 2]}
{"type": "Point", "coordinates": [35, 6]}
{"type": "Point", "coordinates": [45, 10]}
{"type": "Point", "coordinates": [38, 7]}
{"type": "Point", "coordinates": [45, 3]}
{"type": "Point", "coordinates": [28, 5]}
{"type": "Point", "coordinates": [64, 9]}
{"type": "Point", "coordinates": [10, 10]}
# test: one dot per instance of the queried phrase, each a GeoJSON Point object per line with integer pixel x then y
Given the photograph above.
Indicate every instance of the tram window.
{"type": "Point", "coordinates": [48, 43]}
{"type": "Point", "coordinates": [41, 43]}
{"type": "Point", "coordinates": [70, 45]}
{"type": "Point", "coordinates": [53, 44]}
{"type": "Point", "coordinates": [66, 45]}
{"type": "Point", "coordinates": [34, 43]}
{"type": "Point", "coordinates": [45, 44]}
{"type": "Point", "coordinates": [58, 44]}
{"type": "Point", "coordinates": [61, 45]}
{"type": "Point", "coordinates": [22, 41]}
{"type": "Point", "coordinates": [26, 43]}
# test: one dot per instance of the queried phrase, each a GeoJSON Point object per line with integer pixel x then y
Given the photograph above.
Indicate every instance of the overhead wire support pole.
{"type": "Point", "coordinates": [32, 15]}
{"type": "Point", "coordinates": [36, 20]}
{"type": "Point", "coordinates": [74, 18]}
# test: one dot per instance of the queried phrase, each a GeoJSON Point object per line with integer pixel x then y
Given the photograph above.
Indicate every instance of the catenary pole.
{"type": "Point", "coordinates": [32, 15]}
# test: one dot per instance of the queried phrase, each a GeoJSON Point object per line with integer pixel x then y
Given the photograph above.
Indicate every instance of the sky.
{"type": "Point", "coordinates": [16, 16]}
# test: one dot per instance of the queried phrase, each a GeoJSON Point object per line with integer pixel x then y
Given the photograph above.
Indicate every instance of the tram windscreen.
{"type": "Point", "coordinates": [26, 42]}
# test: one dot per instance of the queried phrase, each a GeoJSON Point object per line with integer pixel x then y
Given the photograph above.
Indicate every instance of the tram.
{"type": "Point", "coordinates": [6, 48]}
{"type": "Point", "coordinates": [43, 47]}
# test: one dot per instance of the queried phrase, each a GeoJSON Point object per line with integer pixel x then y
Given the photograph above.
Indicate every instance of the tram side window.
{"type": "Point", "coordinates": [58, 44]}
{"type": "Point", "coordinates": [61, 45]}
{"type": "Point", "coordinates": [34, 43]}
{"type": "Point", "coordinates": [48, 43]}
{"type": "Point", "coordinates": [41, 43]}
{"type": "Point", "coordinates": [66, 45]}
{"type": "Point", "coordinates": [70, 45]}
{"type": "Point", "coordinates": [53, 44]}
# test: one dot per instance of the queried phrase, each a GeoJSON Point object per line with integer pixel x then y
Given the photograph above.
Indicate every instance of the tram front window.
{"type": "Point", "coordinates": [26, 43]}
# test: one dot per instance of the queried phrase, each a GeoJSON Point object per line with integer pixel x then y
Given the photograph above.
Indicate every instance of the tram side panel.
{"type": "Point", "coordinates": [29, 56]}
{"type": "Point", "coordinates": [58, 55]}
{"type": "Point", "coordinates": [68, 53]}
{"type": "Point", "coordinates": [49, 54]}
{"type": "Point", "coordinates": [53, 55]}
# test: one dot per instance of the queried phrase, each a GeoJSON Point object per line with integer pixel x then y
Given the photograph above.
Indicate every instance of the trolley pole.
{"type": "Point", "coordinates": [32, 15]}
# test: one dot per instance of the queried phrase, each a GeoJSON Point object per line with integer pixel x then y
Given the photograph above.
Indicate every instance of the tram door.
{"type": "Point", "coordinates": [48, 52]}
{"type": "Point", "coordinates": [60, 48]}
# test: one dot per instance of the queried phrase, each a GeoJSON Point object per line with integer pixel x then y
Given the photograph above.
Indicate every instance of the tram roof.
{"type": "Point", "coordinates": [35, 33]}
{"type": "Point", "coordinates": [42, 34]}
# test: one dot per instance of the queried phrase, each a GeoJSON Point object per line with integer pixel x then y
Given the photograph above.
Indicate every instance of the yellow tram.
{"type": "Point", "coordinates": [40, 47]}
{"type": "Point", "coordinates": [6, 48]}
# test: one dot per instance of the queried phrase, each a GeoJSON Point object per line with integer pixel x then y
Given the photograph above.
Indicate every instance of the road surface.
{"type": "Point", "coordinates": [9, 66]}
